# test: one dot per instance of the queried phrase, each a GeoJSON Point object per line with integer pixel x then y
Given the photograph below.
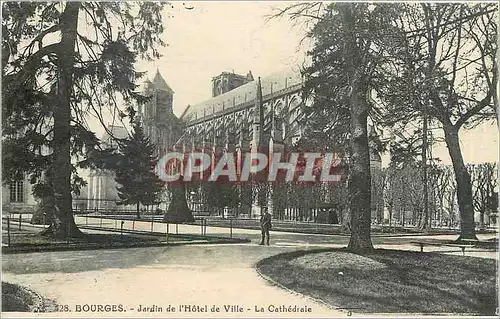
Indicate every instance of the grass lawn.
{"type": "Point", "coordinates": [311, 227]}
{"type": "Point", "coordinates": [20, 299]}
{"type": "Point", "coordinates": [35, 242]}
{"type": "Point", "coordinates": [389, 281]}
{"type": "Point", "coordinates": [36, 239]}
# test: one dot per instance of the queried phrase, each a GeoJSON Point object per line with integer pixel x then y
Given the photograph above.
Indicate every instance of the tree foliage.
{"type": "Point", "coordinates": [135, 172]}
{"type": "Point", "coordinates": [447, 70]}
{"type": "Point", "coordinates": [350, 45]}
{"type": "Point", "coordinates": [433, 60]}
{"type": "Point", "coordinates": [61, 64]}
{"type": "Point", "coordinates": [484, 181]}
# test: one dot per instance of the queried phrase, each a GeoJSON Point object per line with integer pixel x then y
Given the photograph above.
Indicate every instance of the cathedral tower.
{"type": "Point", "coordinates": [228, 81]}
{"type": "Point", "coordinates": [157, 116]}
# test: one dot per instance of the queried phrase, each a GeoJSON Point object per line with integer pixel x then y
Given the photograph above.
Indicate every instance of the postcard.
{"type": "Point", "coordinates": [257, 159]}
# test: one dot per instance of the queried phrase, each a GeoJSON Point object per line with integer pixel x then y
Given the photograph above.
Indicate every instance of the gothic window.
{"type": "Point", "coordinates": [219, 87]}
{"type": "Point", "coordinates": [294, 103]}
{"type": "Point", "coordinates": [17, 192]}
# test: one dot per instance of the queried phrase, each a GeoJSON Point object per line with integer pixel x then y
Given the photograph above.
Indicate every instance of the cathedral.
{"type": "Point", "coordinates": [246, 115]}
{"type": "Point", "coordinates": [239, 107]}
{"type": "Point", "coordinates": [243, 114]}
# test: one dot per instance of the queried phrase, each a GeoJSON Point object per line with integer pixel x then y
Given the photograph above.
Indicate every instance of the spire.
{"type": "Point", "coordinates": [258, 118]}
{"type": "Point", "coordinates": [160, 84]}
{"type": "Point", "coordinates": [258, 112]}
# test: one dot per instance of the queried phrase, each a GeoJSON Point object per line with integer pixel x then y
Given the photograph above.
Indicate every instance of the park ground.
{"type": "Point", "coordinates": [389, 281]}
{"type": "Point", "coordinates": [197, 275]}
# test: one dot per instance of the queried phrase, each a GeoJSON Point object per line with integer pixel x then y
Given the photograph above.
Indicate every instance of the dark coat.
{"type": "Point", "coordinates": [265, 221]}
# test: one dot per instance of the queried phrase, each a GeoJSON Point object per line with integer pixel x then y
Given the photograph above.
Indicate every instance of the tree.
{"type": "Point", "coordinates": [484, 181]}
{"type": "Point", "coordinates": [349, 48]}
{"type": "Point", "coordinates": [135, 171]}
{"type": "Point", "coordinates": [60, 63]}
{"type": "Point", "coordinates": [443, 178]}
{"type": "Point", "coordinates": [447, 71]}
{"type": "Point", "coordinates": [178, 210]}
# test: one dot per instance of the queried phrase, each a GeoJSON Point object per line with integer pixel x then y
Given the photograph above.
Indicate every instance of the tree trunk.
{"type": "Point", "coordinates": [45, 203]}
{"type": "Point", "coordinates": [178, 210]}
{"type": "Point", "coordinates": [424, 220]}
{"type": "Point", "coordinates": [359, 178]}
{"type": "Point", "coordinates": [380, 214]}
{"type": "Point", "coordinates": [464, 186]}
{"type": "Point", "coordinates": [481, 219]}
{"type": "Point", "coordinates": [441, 215]}
{"type": "Point", "coordinates": [424, 217]}
{"type": "Point", "coordinates": [403, 215]}
{"type": "Point", "coordinates": [359, 184]}
{"type": "Point", "coordinates": [138, 212]}
{"type": "Point", "coordinates": [62, 221]}
{"type": "Point", "coordinates": [390, 208]}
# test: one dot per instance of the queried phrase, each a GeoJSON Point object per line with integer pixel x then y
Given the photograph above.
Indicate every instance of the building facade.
{"type": "Point", "coordinates": [17, 197]}
{"type": "Point", "coordinates": [161, 126]}
{"type": "Point", "coordinates": [259, 114]}
{"type": "Point", "coordinates": [244, 115]}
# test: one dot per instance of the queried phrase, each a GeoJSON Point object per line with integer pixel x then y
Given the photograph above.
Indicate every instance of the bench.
{"type": "Point", "coordinates": [427, 243]}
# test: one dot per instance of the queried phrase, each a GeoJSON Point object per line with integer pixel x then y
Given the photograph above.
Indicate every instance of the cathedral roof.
{"type": "Point", "coordinates": [159, 83]}
{"type": "Point", "coordinates": [242, 94]}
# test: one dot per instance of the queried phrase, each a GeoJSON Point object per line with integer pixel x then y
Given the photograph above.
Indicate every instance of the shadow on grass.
{"type": "Point", "coordinates": [411, 282]}
{"type": "Point", "coordinates": [16, 298]}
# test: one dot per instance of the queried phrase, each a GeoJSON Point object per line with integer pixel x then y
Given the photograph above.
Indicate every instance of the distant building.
{"type": "Point", "coordinates": [242, 114]}
{"type": "Point", "coordinates": [226, 82]}
{"type": "Point", "coordinates": [245, 114]}
{"type": "Point", "coordinates": [157, 116]}
{"type": "Point", "coordinates": [231, 113]}
{"type": "Point", "coordinates": [17, 197]}
{"type": "Point", "coordinates": [101, 185]}
{"type": "Point", "coordinates": [159, 123]}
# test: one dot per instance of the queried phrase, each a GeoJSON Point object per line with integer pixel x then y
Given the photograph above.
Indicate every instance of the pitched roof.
{"type": "Point", "coordinates": [160, 84]}
{"type": "Point", "coordinates": [241, 94]}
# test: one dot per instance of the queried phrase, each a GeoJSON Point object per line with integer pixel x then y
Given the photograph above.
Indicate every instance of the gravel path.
{"type": "Point", "coordinates": [204, 276]}
{"type": "Point", "coordinates": [197, 275]}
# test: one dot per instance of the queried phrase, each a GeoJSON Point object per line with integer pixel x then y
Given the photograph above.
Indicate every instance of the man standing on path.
{"type": "Point", "coordinates": [265, 225]}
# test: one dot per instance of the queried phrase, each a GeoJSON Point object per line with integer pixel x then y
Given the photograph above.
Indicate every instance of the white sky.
{"type": "Point", "coordinates": [222, 36]}
{"type": "Point", "coordinates": [225, 36]}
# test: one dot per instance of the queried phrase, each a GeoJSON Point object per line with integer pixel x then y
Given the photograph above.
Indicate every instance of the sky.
{"type": "Point", "coordinates": [213, 37]}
